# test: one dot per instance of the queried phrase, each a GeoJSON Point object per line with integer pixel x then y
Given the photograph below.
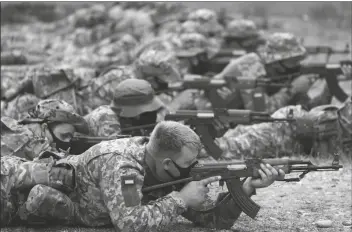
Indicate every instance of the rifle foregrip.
{"type": "Point", "coordinates": [243, 201]}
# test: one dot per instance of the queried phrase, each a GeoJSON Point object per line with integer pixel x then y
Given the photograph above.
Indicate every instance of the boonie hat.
{"type": "Point", "coordinates": [134, 97]}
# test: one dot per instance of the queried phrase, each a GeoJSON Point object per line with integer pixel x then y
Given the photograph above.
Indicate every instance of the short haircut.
{"type": "Point", "coordinates": [170, 136]}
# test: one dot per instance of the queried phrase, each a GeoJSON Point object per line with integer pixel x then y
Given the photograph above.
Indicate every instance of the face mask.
{"type": "Point", "coordinates": [184, 172]}
{"type": "Point", "coordinates": [59, 143]}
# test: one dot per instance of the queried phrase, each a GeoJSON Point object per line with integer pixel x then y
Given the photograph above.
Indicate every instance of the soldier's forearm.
{"type": "Point", "coordinates": [278, 100]}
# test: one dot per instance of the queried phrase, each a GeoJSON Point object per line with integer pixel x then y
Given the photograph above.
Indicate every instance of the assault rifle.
{"type": "Point", "coordinates": [202, 122]}
{"type": "Point", "coordinates": [210, 87]}
{"type": "Point", "coordinates": [331, 73]}
{"type": "Point", "coordinates": [231, 172]}
{"type": "Point", "coordinates": [204, 83]}
{"type": "Point", "coordinates": [80, 142]}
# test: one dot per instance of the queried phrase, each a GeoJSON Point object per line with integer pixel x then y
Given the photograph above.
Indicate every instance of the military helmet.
{"type": "Point", "coordinates": [202, 15]}
{"type": "Point", "coordinates": [242, 28]}
{"type": "Point", "coordinates": [191, 27]}
{"type": "Point", "coordinates": [192, 44]}
{"type": "Point", "coordinates": [54, 110]}
{"type": "Point", "coordinates": [281, 46]}
{"type": "Point", "coordinates": [161, 64]}
{"type": "Point", "coordinates": [18, 108]}
{"type": "Point", "coordinates": [208, 20]}
{"type": "Point", "coordinates": [134, 97]}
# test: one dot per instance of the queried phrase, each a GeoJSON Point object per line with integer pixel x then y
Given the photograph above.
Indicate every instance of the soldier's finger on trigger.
{"type": "Point", "coordinates": [209, 180]}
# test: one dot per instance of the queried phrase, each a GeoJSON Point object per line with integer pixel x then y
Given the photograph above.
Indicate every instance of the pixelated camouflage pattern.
{"type": "Point", "coordinates": [101, 89]}
{"type": "Point", "coordinates": [160, 64]}
{"type": "Point", "coordinates": [98, 198]}
{"type": "Point", "coordinates": [103, 121]}
{"type": "Point", "coordinates": [195, 43]}
{"type": "Point", "coordinates": [90, 16]}
{"type": "Point", "coordinates": [269, 140]}
{"type": "Point", "coordinates": [18, 108]}
{"type": "Point", "coordinates": [202, 15]}
{"type": "Point", "coordinates": [160, 43]}
{"type": "Point", "coordinates": [59, 111]}
{"type": "Point", "coordinates": [40, 199]}
{"type": "Point", "coordinates": [281, 46]}
{"type": "Point", "coordinates": [208, 20]}
{"type": "Point", "coordinates": [24, 141]}
{"type": "Point", "coordinates": [244, 67]}
{"type": "Point", "coordinates": [191, 27]}
{"type": "Point", "coordinates": [52, 83]}
{"type": "Point", "coordinates": [120, 46]}
{"type": "Point", "coordinates": [9, 199]}
{"type": "Point", "coordinates": [242, 28]}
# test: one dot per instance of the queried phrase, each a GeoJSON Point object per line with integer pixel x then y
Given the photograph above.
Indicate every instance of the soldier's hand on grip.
{"type": "Point", "coordinates": [195, 192]}
{"type": "Point", "coordinates": [302, 84]}
{"type": "Point", "coordinates": [268, 175]}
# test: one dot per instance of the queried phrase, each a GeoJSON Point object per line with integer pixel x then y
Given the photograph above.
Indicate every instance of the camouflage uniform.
{"type": "Point", "coordinates": [107, 190]}
{"type": "Point", "coordinates": [132, 97]}
{"type": "Point", "coordinates": [46, 82]}
{"type": "Point", "coordinates": [28, 140]}
{"type": "Point", "coordinates": [284, 46]}
{"type": "Point", "coordinates": [249, 67]}
{"type": "Point", "coordinates": [318, 132]}
{"type": "Point", "coordinates": [162, 67]}
{"type": "Point", "coordinates": [209, 22]}
{"type": "Point", "coordinates": [100, 91]}
{"type": "Point", "coordinates": [18, 108]}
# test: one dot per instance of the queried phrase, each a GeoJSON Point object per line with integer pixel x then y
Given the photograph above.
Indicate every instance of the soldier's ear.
{"type": "Point", "coordinates": [166, 163]}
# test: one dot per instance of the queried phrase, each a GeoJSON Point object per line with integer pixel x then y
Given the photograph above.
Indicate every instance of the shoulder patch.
{"type": "Point", "coordinates": [129, 190]}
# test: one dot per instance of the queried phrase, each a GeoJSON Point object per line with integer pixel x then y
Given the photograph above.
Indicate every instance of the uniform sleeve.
{"type": "Point", "coordinates": [136, 217]}
{"type": "Point", "coordinates": [264, 140]}
{"type": "Point", "coordinates": [278, 100]}
{"type": "Point", "coordinates": [221, 217]}
{"type": "Point", "coordinates": [25, 85]}
{"type": "Point", "coordinates": [273, 103]}
{"type": "Point", "coordinates": [103, 122]}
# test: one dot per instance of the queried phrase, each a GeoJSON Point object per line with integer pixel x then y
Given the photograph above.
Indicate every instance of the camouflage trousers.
{"type": "Point", "coordinates": [35, 192]}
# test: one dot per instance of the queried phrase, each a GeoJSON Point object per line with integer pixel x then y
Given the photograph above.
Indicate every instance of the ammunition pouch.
{"type": "Point", "coordinates": [60, 176]}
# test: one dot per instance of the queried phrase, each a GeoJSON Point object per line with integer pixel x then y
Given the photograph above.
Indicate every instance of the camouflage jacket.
{"type": "Point", "coordinates": [103, 122]}
{"type": "Point", "coordinates": [100, 90]}
{"type": "Point", "coordinates": [277, 139]}
{"type": "Point", "coordinates": [101, 196]}
{"type": "Point", "coordinates": [24, 141]}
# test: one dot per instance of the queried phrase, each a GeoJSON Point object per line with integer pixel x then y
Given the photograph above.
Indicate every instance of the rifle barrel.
{"type": "Point", "coordinates": [158, 186]}
{"type": "Point", "coordinates": [133, 128]}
